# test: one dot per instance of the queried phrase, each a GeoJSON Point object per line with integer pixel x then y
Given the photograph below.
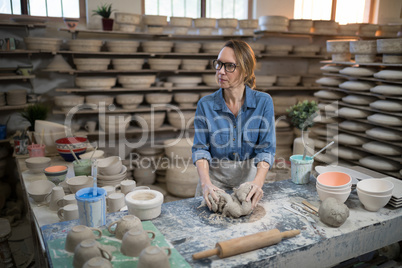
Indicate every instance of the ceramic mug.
{"type": "Point", "coordinates": [126, 186]}
{"type": "Point", "coordinates": [68, 213]}
{"type": "Point", "coordinates": [83, 168]}
{"type": "Point", "coordinates": [115, 202]}
{"type": "Point", "coordinates": [126, 223]}
{"type": "Point", "coordinates": [98, 262]}
{"type": "Point", "coordinates": [66, 200]}
{"type": "Point", "coordinates": [79, 233]}
{"type": "Point", "coordinates": [56, 194]}
{"type": "Point", "coordinates": [154, 257]}
{"type": "Point", "coordinates": [90, 126]}
{"type": "Point", "coordinates": [87, 250]}
{"type": "Point", "coordinates": [134, 241]}
{"type": "Point", "coordinates": [92, 208]}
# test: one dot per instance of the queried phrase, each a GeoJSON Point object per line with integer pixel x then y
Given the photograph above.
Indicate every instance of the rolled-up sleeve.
{"type": "Point", "coordinates": [201, 146]}
{"type": "Point", "coordinates": [265, 151]}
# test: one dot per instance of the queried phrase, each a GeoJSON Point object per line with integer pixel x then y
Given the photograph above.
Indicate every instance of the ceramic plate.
{"type": "Point", "coordinates": [379, 163]}
{"type": "Point", "coordinates": [397, 192]}
{"type": "Point", "coordinates": [357, 85]}
{"type": "Point", "coordinates": [387, 105]}
{"type": "Point", "coordinates": [357, 71]}
{"type": "Point", "coordinates": [385, 119]}
{"type": "Point", "coordinates": [387, 90]}
{"type": "Point", "coordinates": [354, 174]}
{"type": "Point", "coordinates": [389, 74]}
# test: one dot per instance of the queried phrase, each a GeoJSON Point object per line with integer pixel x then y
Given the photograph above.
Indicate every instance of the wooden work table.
{"type": "Point", "coordinates": [191, 228]}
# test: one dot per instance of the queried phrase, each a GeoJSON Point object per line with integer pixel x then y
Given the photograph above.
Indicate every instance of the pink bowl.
{"type": "Point", "coordinates": [334, 179]}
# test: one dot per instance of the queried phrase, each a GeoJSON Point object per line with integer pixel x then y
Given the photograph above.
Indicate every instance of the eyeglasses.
{"type": "Point", "coordinates": [229, 67]}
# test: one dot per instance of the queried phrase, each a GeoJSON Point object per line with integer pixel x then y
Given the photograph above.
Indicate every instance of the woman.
{"type": "Point", "coordinates": [234, 140]}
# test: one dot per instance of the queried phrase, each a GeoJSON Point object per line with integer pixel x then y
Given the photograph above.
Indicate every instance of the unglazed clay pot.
{"type": "Point", "coordinates": [154, 257]}
{"type": "Point", "coordinates": [128, 222]}
{"type": "Point", "coordinates": [178, 148]}
{"type": "Point", "coordinates": [79, 233]}
{"type": "Point", "coordinates": [87, 250]}
{"type": "Point", "coordinates": [182, 180]}
{"type": "Point", "coordinates": [145, 204]}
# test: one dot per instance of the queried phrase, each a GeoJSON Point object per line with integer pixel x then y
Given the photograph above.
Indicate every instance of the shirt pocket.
{"type": "Point", "coordinates": [250, 140]}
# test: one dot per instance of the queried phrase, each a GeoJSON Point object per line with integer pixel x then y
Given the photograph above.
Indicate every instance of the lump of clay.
{"type": "Point", "coordinates": [234, 205]}
{"type": "Point", "coordinates": [332, 212]}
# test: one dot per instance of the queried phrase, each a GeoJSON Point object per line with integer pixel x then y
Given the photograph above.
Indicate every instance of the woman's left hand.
{"type": "Point", "coordinates": [255, 194]}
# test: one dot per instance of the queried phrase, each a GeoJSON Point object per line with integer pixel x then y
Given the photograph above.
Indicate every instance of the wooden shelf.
{"type": "Point", "coordinates": [364, 93]}
{"type": "Point", "coordinates": [376, 64]}
{"type": "Point", "coordinates": [16, 77]}
{"type": "Point", "coordinates": [150, 54]}
{"type": "Point", "coordinates": [369, 109]}
{"type": "Point", "coordinates": [5, 140]}
{"type": "Point", "coordinates": [371, 123]}
{"type": "Point", "coordinates": [349, 77]}
{"type": "Point", "coordinates": [130, 130]}
{"type": "Point", "coordinates": [25, 24]}
{"type": "Point", "coordinates": [112, 71]}
{"type": "Point", "coordinates": [118, 110]}
{"type": "Point", "coordinates": [281, 88]}
{"type": "Point", "coordinates": [292, 56]}
{"type": "Point", "coordinates": [13, 107]}
{"type": "Point", "coordinates": [19, 51]}
{"type": "Point", "coordinates": [296, 34]}
{"type": "Point", "coordinates": [121, 89]}
{"type": "Point", "coordinates": [148, 35]}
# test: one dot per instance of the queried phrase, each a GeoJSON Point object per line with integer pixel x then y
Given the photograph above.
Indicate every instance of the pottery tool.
{"type": "Point", "coordinates": [304, 208]}
{"type": "Point", "coordinates": [329, 144]}
{"type": "Point", "coordinates": [72, 152]}
{"type": "Point", "coordinates": [305, 151]}
{"type": "Point", "coordinates": [94, 175]}
{"type": "Point", "coordinates": [306, 203]}
{"type": "Point", "coordinates": [246, 243]}
{"type": "Point", "coordinates": [92, 155]}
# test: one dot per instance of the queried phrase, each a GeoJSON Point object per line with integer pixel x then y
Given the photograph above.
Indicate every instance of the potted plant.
{"type": "Point", "coordinates": [34, 112]}
{"type": "Point", "coordinates": [301, 116]}
{"type": "Point", "coordinates": [105, 11]}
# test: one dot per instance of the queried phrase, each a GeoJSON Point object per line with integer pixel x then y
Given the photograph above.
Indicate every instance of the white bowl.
{"type": "Point", "coordinates": [178, 148]}
{"type": "Point", "coordinates": [182, 120]}
{"type": "Point", "coordinates": [136, 81]}
{"type": "Point", "coordinates": [375, 186]}
{"type": "Point", "coordinates": [210, 80]}
{"type": "Point", "coordinates": [204, 23]}
{"type": "Point", "coordinates": [79, 182]}
{"type": "Point", "coordinates": [110, 166]}
{"type": "Point", "coordinates": [91, 64]}
{"type": "Point", "coordinates": [186, 97]}
{"type": "Point", "coordinates": [180, 21]}
{"type": "Point", "coordinates": [144, 120]}
{"type": "Point", "coordinates": [127, 18]}
{"type": "Point", "coordinates": [68, 100]}
{"type": "Point", "coordinates": [340, 196]}
{"type": "Point", "coordinates": [115, 178]}
{"type": "Point", "coordinates": [339, 190]}
{"type": "Point", "coordinates": [185, 81]}
{"type": "Point", "coordinates": [145, 204]}
{"type": "Point", "coordinates": [39, 189]}
{"type": "Point", "coordinates": [120, 124]}
{"type": "Point", "coordinates": [154, 20]}
{"type": "Point", "coordinates": [37, 164]}
{"type": "Point", "coordinates": [373, 202]}
{"type": "Point", "coordinates": [97, 99]}
{"type": "Point", "coordinates": [123, 46]}
{"type": "Point", "coordinates": [334, 180]}
{"type": "Point", "coordinates": [95, 82]}
{"type": "Point", "coordinates": [129, 99]}
{"type": "Point", "coordinates": [158, 98]}
{"type": "Point", "coordinates": [97, 155]}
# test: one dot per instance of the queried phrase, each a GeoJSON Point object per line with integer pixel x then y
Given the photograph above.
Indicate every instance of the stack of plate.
{"type": "Point", "coordinates": [16, 97]}
{"type": "Point", "coordinates": [2, 99]}
{"type": "Point", "coordinates": [396, 199]}
{"type": "Point", "coordinates": [111, 172]}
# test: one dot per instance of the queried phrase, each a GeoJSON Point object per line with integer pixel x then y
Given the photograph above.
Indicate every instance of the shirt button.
{"type": "Point", "coordinates": [234, 139]}
{"type": "Point", "coordinates": [234, 126]}
{"type": "Point", "coordinates": [234, 153]}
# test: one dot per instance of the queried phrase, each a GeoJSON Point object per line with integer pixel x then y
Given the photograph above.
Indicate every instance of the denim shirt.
{"type": "Point", "coordinates": [219, 134]}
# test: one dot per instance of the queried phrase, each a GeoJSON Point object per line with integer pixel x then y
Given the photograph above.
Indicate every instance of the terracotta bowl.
{"type": "Point", "coordinates": [56, 174]}
{"type": "Point", "coordinates": [334, 180]}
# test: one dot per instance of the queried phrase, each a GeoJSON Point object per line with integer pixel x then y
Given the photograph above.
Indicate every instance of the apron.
{"type": "Point", "coordinates": [227, 174]}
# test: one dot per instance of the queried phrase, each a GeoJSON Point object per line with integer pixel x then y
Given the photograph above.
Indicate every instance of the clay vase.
{"type": "Point", "coordinates": [154, 257]}
{"type": "Point", "coordinates": [107, 24]}
{"type": "Point", "coordinates": [87, 250]}
{"type": "Point", "coordinates": [134, 241]}
{"type": "Point", "coordinates": [78, 234]}
{"type": "Point", "coordinates": [125, 224]}
{"type": "Point", "coordinates": [301, 142]}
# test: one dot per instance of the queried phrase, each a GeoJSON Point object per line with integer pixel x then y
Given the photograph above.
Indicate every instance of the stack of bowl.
{"type": "Point", "coordinates": [325, 27]}
{"type": "Point", "coordinates": [85, 45]}
{"type": "Point", "coordinates": [247, 27]}
{"type": "Point", "coordinates": [67, 102]}
{"type": "Point", "coordinates": [16, 97]}
{"type": "Point", "coordinates": [43, 44]}
{"type": "Point", "coordinates": [273, 23]}
{"type": "Point", "coordinates": [227, 26]}
{"type": "Point", "coordinates": [180, 25]}
{"type": "Point", "coordinates": [37, 164]}
{"type": "Point", "coordinates": [334, 184]}
{"type": "Point", "coordinates": [155, 23]}
{"type": "Point", "coordinates": [127, 22]}
{"type": "Point", "coordinates": [116, 122]}
{"type": "Point", "coordinates": [187, 47]}
{"type": "Point", "coordinates": [77, 144]}
{"type": "Point", "coordinates": [204, 26]}
{"type": "Point", "coordinates": [157, 46]}
{"type": "Point", "coordinates": [374, 193]}
{"type": "Point", "coordinates": [111, 171]}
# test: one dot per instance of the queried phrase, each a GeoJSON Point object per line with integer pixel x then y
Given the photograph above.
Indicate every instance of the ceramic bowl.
{"type": "Point", "coordinates": [334, 180]}
{"type": "Point", "coordinates": [375, 186]}
{"type": "Point", "coordinates": [85, 45]}
{"type": "Point", "coordinates": [130, 99]}
{"type": "Point", "coordinates": [178, 148]}
{"type": "Point", "coordinates": [150, 120]}
{"type": "Point", "coordinates": [97, 155]}
{"type": "Point", "coordinates": [77, 144]}
{"type": "Point", "coordinates": [340, 196]}
{"type": "Point", "coordinates": [210, 80]}
{"type": "Point", "coordinates": [56, 174]}
{"type": "Point", "coordinates": [127, 18]}
{"type": "Point", "coordinates": [92, 64]}
{"type": "Point", "coordinates": [37, 164]}
{"type": "Point", "coordinates": [40, 43]}
{"type": "Point", "coordinates": [95, 82]}
{"type": "Point", "coordinates": [38, 190]}
{"type": "Point", "coordinates": [164, 64]}
{"type": "Point", "coordinates": [204, 22]}
{"type": "Point", "coordinates": [98, 100]}
{"type": "Point", "coordinates": [186, 97]}
{"type": "Point", "coordinates": [154, 20]}
{"type": "Point", "coordinates": [68, 100]}
{"type": "Point", "coordinates": [123, 46]}
{"type": "Point", "coordinates": [187, 47]}
{"type": "Point", "coordinates": [372, 202]}
{"type": "Point", "coordinates": [185, 81]}
{"type": "Point", "coordinates": [48, 126]}
{"type": "Point", "coordinates": [145, 204]}
{"type": "Point", "coordinates": [127, 64]}
{"type": "Point", "coordinates": [181, 120]}
{"type": "Point", "coordinates": [115, 178]}
{"type": "Point", "coordinates": [79, 182]}
{"type": "Point", "coordinates": [182, 180]}
{"type": "Point", "coordinates": [158, 98]}
{"type": "Point", "coordinates": [180, 21]}
{"type": "Point", "coordinates": [248, 24]}
{"type": "Point", "coordinates": [136, 81]}
{"type": "Point", "coordinates": [110, 165]}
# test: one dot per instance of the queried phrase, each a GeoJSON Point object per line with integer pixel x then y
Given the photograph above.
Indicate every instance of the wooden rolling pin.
{"type": "Point", "coordinates": [246, 243]}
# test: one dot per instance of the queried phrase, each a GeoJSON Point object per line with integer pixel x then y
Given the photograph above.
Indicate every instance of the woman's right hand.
{"type": "Point", "coordinates": [210, 189]}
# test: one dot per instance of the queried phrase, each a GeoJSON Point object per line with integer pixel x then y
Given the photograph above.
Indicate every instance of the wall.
{"type": "Point", "coordinates": [280, 8]}
{"type": "Point", "coordinates": [388, 11]}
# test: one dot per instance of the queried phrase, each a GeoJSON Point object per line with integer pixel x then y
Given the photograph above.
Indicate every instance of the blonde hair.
{"type": "Point", "coordinates": [245, 60]}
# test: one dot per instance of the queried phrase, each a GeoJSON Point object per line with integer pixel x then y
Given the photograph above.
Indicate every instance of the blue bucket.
{"type": "Point", "coordinates": [92, 210]}
{"type": "Point", "coordinates": [300, 168]}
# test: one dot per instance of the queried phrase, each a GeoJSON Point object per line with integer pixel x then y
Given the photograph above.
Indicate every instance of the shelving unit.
{"type": "Point", "coordinates": [367, 108]}
{"type": "Point", "coordinates": [13, 107]}
{"type": "Point", "coordinates": [122, 89]}
{"type": "Point", "coordinates": [118, 110]}
{"type": "Point", "coordinates": [17, 77]}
